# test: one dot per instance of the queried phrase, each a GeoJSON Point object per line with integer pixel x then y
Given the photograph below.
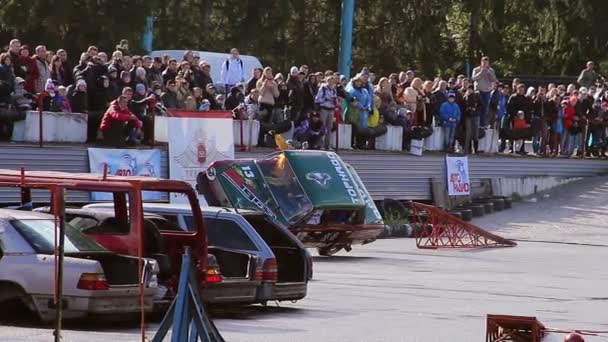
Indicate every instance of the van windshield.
{"type": "Point", "coordinates": [40, 234]}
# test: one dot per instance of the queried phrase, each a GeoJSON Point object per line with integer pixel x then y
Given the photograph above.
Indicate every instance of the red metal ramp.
{"type": "Point", "coordinates": [436, 228]}
{"type": "Point", "coordinates": [514, 329]}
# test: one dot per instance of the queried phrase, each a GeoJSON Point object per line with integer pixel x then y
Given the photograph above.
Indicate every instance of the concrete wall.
{"type": "Point", "coordinates": [527, 186]}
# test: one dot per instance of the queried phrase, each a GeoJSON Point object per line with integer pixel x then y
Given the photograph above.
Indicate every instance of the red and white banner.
{"type": "Point", "coordinates": [194, 143]}
{"type": "Point", "coordinates": [459, 183]}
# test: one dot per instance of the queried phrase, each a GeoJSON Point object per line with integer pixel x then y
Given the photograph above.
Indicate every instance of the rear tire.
{"type": "Point", "coordinates": [329, 250]}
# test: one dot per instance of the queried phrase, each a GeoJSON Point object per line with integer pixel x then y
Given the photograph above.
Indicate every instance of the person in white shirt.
{"type": "Point", "coordinates": [232, 70]}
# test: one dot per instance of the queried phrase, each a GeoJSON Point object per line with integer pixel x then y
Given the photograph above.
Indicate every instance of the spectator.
{"type": "Point", "coordinates": [449, 113]}
{"type": "Point", "coordinates": [57, 72]}
{"type": "Point", "coordinates": [185, 71]}
{"type": "Point", "coordinates": [14, 50]}
{"type": "Point", "coordinates": [139, 105]}
{"type": "Point", "coordinates": [103, 57]}
{"type": "Point", "coordinates": [22, 99]}
{"type": "Point", "coordinates": [124, 81]}
{"type": "Point", "coordinates": [203, 75]}
{"type": "Point", "coordinates": [209, 95]}
{"type": "Point", "coordinates": [549, 122]}
{"type": "Point", "coordinates": [234, 98]}
{"type": "Point", "coordinates": [268, 90]}
{"type": "Point", "coordinates": [114, 88]}
{"type": "Point", "coordinates": [484, 77]}
{"type": "Point", "coordinates": [123, 47]}
{"type": "Point", "coordinates": [326, 99]}
{"type": "Point", "coordinates": [116, 62]}
{"type": "Point", "coordinates": [571, 127]}
{"type": "Point", "coordinates": [251, 84]}
{"type": "Point", "coordinates": [406, 79]}
{"type": "Point", "coordinates": [63, 104]}
{"type": "Point", "coordinates": [119, 125]}
{"type": "Point", "coordinates": [428, 112]}
{"type": "Point", "coordinates": [413, 98]}
{"type": "Point", "coordinates": [7, 78]}
{"type": "Point", "coordinates": [310, 91]}
{"type": "Point", "coordinates": [127, 63]}
{"type": "Point", "coordinates": [171, 72]}
{"type": "Point", "coordinates": [154, 73]}
{"type": "Point", "coordinates": [517, 102]}
{"type": "Point", "coordinates": [220, 99]}
{"type": "Point", "coordinates": [295, 90]}
{"type": "Point", "coordinates": [148, 61]}
{"type": "Point", "coordinates": [50, 98]}
{"type": "Point", "coordinates": [233, 71]}
{"type": "Point", "coordinates": [198, 96]}
{"type": "Point", "coordinates": [103, 94]}
{"type": "Point", "coordinates": [157, 91]}
{"type": "Point", "coordinates": [169, 97]}
{"type": "Point", "coordinates": [183, 91]}
{"type": "Point", "coordinates": [79, 98]}
{"type": "Point", "coordinates": [205, 106]}
{"type": "Point", "coordinates": [384, 92]}
{"type": "Point", "coordinates": [588, 76]}
{"type": "Point", "coordinates": [252, 105]}
{"type": "Point", "coordinates": [42, 68]}
{"type": "Point", "coordinates": [49, 57]}
{"type": "Point", "coordinates": [473, 105]}
{"type": "Point", "coordinates": [191, 104]}
{"type": "Point", "coordinates": [359, 107]}
{"type": "Point", "coordinates": [304, 69]}
{"type": "Point", "coordinates": [281, 101]}
{"type": "Point", "coordinates": [311, 131]}
{"type": "Point", "coordinates": [140, 78]}
{"type": "Point", "coordinates": [560, 130]}
{"type": "Point", "coordinates": [440, 95]}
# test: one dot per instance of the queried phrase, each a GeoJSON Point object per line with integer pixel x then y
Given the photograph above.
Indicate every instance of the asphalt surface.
{"type": "Point", "coordinates": [391, 291]}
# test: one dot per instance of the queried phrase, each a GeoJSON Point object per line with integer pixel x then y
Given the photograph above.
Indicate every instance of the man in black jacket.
{"type": "Point", "coordinates": [518, 101]}
{"type": "Point", "coordinates": [14, 48]}
{"type": "Point", "coordinates": [202, 75]}
{"type": "Point", "coordinates": [296, 94]}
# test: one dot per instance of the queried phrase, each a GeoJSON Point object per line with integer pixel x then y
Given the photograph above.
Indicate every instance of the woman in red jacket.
{"type": "Point", "coordinates": [30, 68]}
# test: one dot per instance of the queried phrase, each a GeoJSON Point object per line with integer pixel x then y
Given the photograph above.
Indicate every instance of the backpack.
{"type": "Point", "coordinates": [227, 63]}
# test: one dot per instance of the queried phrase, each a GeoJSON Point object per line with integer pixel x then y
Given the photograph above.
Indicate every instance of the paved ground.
{"type": "Point", "coordinates": [391, 291]}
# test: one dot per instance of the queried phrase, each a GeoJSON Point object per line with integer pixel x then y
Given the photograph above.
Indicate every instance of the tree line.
{"type": "Point", "coordinates": [434, 37]}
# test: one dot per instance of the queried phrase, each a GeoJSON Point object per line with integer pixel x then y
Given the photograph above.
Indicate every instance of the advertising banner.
{"type": "Point", "coordinates": [459, 183]}
{"type": "Point", "coordinates": [125, 162]}
{"type": "Point", "coordinates": [195, 143]}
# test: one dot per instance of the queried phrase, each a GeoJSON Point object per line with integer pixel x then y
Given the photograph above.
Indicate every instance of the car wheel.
{"type": "Point", "coordinates": [329, 250]}
{"type": "Point", "coordinates": [499, 204]}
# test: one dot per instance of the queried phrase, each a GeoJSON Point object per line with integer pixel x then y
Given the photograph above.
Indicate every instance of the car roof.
{"type": "Point", "coordinates": [180, 207]}
{"type": "Point", "coordinates": [12, 214]}
{"type": "Point", "coordinates": [98, 213]}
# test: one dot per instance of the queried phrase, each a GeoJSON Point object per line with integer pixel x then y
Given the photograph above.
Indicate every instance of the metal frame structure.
{"type": "Point", "coordinates": [58, 182]}
{"type": "Point", "coordinates": [500, 328]}
{"type": "Point", "coordinates": [439, 229]}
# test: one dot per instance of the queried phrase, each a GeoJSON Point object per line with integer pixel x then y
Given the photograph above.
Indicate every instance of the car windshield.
{"type": "Point", "coordinates": [225, 233]}
{"type": "Point", "coordinates": [284, 186]}
{"type": "Point", "coordinates": [40, 234]}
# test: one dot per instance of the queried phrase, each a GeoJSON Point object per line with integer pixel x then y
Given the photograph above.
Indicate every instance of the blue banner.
{"type": "Point", "coordinates": [125, 162]}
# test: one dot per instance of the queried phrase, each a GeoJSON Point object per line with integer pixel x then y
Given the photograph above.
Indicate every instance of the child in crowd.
{"type": "Point", "coordinates": [449, 113]}
{"type": "Point", "coordinates": [205, 106]}
{"type": "Point", "coordinates": [190, 103]}
{"type": "Point", "coordinates": [23, 99]}
{"type": "Point", "coordinates": [519, 123]}
{"type": "Point", "coordinates": [62, 100]}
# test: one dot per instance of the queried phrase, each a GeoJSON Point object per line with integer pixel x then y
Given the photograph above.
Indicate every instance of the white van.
{"type": "Point", "coordinates": [215, 59]}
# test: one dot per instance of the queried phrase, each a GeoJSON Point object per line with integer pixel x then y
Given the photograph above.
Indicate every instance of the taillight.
{"type": "Point", "coordinates": [214, 275]}
{"type": "Point", "coordinates": [93, 282]}
{"type": "Point", "coordinates": [269, 270]}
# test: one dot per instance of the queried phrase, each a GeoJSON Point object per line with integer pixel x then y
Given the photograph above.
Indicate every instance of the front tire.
{"type": "Point", "coordinates": [329, 250]}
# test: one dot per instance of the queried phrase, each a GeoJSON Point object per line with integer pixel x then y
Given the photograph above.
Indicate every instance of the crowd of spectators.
{"type": "Point", "coordinates": [119, 91]}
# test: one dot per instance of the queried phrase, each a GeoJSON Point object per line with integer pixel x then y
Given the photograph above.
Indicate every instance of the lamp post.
{"type": "Point", "coordinates": [346, 37]}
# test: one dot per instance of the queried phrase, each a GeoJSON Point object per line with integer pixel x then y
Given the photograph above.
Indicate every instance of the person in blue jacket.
{"type": "Point", "coordinates": [449, 113]}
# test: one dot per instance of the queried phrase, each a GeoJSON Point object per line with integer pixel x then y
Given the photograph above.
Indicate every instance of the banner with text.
{"type": "Point", "coordinates": [458, 176]}
{"type": "Point", "coordinates": [195, 143]}
{"type": "Point", "coordinates": [125, 162]}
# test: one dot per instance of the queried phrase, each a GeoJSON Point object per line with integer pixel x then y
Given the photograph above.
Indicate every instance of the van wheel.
{"type": "Point", "coordinates": [329, 250]}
